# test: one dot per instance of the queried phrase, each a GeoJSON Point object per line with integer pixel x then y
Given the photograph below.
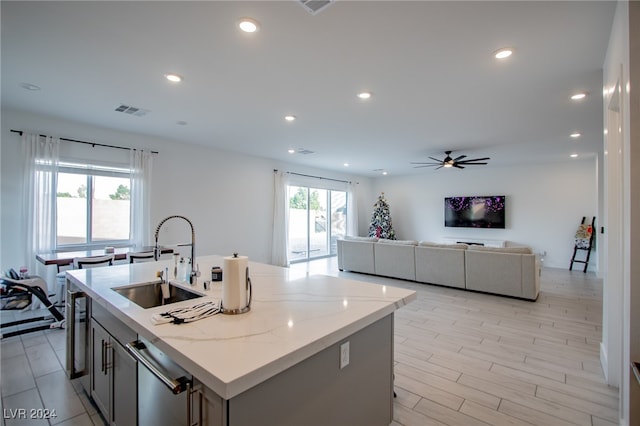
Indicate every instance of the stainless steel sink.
{"type": "Point", "coordinates": [149, 295]}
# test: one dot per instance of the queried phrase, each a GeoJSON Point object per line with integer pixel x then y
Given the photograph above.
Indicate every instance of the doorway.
{"type": "Point", "coordinates": [317, 219]}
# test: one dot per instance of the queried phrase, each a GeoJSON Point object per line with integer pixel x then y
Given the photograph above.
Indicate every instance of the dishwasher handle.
{"type": "Point", "coordinates": [176, 386]}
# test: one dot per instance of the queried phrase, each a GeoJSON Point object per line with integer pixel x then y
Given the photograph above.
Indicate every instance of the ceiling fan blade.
{"type": "Point", "coordinates": [426, 165]}
{"type": "Point", "coordinates": [459, 158]}
{"type": "Point", "coordinates": [438, 167]}
{"type": "Point", "coordinates": [475, 159]}
{"type": "Point", "coordinates": [435, 159]}
{"type": "Point", "coordinates": [474, 164]}
{"type": "Point", "coordinates": [430, 164]}
{"type": "Point", "coordinates": [458, 166]}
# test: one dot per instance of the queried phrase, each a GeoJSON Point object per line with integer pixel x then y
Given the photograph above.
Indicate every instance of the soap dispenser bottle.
{"type": "Point", "coordinates": [181, 269]}
{"type": "Point", "coordinates": [175, 265]}
{"type": "Point", "coordinates": [187, 269]}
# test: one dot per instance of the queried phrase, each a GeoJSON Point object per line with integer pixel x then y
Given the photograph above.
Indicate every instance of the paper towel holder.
{"type": "Point", "coordinates": [247, 308]}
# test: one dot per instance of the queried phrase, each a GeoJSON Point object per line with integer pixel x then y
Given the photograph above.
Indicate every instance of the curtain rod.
{"type": "Point", "coordinates": [315, 177]}
{"type": "Point", "coordinates": [93, 144]}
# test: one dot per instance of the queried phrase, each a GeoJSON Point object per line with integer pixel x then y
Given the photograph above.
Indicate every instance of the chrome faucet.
{"type": "Point", "coordinates": [195, 272]}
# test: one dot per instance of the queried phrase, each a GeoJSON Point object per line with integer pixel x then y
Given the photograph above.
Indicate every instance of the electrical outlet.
{"type": "Point", "coordinates": [344, 355]}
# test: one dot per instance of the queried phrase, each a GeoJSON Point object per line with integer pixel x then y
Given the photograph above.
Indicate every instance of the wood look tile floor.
{"type": "Point", "coordinates": [465, 358]}
{"type": "Point", "coordinates": [461, 358]}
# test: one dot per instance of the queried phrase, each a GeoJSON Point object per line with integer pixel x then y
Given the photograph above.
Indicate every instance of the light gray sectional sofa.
{"type": "Point", "coordinates": [508, 271]}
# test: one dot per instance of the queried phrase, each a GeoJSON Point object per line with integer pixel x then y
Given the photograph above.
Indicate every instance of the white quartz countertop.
{"type": "Point", "coordinates": [291, 318]}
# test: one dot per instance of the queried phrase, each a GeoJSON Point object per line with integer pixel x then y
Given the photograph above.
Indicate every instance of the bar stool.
{"type": "Point", "coordinates": [92, 262]}
{"type": "Point", "coordinates": [139, 257]}
{"type": "Point", "coordinates": [78, 263]}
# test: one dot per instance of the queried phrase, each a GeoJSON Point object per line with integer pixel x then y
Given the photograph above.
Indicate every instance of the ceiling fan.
{"type": "Point", "coordinates": [458, 162]}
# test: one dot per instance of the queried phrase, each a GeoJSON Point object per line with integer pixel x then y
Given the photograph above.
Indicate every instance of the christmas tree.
{"type": "Point", "coordinates": [381, 220]}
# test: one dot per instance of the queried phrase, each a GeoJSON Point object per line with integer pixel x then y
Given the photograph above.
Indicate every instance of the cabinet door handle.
{"type": "Point", "coordinates": [108, 356]}
{"type": "Point", "coordinates": [103, 366]}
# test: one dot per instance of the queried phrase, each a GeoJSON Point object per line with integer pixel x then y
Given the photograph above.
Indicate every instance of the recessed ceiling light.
{"type": "Point", "coordinates": [346, 164]}
{"type": "Point", "coordinates": [578, 96]}
{"type": "Point", "coordinates": [174, 78]}
{"type": "Point", "coordinates": [364, 95]}
{"type": "Point", "coordinates": [573, 155]}
{"type": "Point", "coordinates": [291, 151]}
{"type": "Point", "coordinates": [575, 135]}
{"type": "Point", "coordinates": [503, 53]}
{"type": "Point", "coordinates": [248, 25]}
{"type": "Point", "coordinates": [385, 173]}
{"type": "Point", "coordinates": [30, 86]}
{"type": "Point", "coordinates": [290, 117]}
{"type": "Point", "coordinates": [181, 123]}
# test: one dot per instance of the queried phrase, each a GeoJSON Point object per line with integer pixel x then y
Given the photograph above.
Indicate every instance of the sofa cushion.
{"type": "Point", "coordinates": [357, 256]}
{"type": "Point", "coordinates": [441, 245]}
{"type": "Point", "coordinates": [398, 242]}
{"type": "Point", "coordinates": [515, 250]}
{"type": "Point", "coordinates": [395, 260]}
{"type": "Point", "coordinates": [355, 238]}
{"type": "Point", "coordinates": [493, 272]}
{"type": "Point", "coordinates": [437, 265]}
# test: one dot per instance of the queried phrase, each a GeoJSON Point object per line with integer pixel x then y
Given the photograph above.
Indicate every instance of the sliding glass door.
{"type": "Point", "coordinates": [317, 218]}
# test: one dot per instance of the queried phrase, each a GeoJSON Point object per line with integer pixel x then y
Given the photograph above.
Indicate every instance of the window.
{"type": "Point", "coordinates": [317, 218]}
{"type": "Point", "coordinates": [92, 205]}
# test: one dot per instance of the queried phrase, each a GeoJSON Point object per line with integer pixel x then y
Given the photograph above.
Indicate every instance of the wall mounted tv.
{"type": "Point", "coordinates": [475, 212]}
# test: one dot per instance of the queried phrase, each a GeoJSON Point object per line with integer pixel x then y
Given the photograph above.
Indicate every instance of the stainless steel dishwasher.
{"type": "Point", "coordinates": [164, 388]}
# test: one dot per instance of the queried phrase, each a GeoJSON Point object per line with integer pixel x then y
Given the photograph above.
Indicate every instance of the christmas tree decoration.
{"type": "Point", "coordinates": [380, 226]}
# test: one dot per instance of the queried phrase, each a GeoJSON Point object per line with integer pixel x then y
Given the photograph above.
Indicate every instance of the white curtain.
{"type": "Point", "coordinates": [280, 243]}
{"type": "Point", "coordinates": [140, 214]}
{"type": "Point", "coordinates": [41, 157]}
{"type": "Point", "coordinates": [352, 209]}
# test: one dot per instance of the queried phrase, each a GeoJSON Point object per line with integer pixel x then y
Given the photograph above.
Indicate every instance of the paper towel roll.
{"type": "Point", "coordinates": [234, 283]}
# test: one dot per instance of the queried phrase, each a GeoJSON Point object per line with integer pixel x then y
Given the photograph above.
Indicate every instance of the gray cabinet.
{"type": "Point", "coordinates": [208, 407]}
{"type": "Point", "coordinates": [114, 384]}
{"type": "Point", "coordinates": [100, 380]}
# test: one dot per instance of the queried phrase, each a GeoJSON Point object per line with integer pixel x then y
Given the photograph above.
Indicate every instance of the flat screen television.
{"type": "Point", "coordinates": [475, 212]}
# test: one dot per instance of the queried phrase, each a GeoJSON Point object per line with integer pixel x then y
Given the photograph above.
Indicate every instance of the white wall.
{"type": "Point", "coordinates": [544, 204]}
{"type": "Point", "coordinates": [228, 196]}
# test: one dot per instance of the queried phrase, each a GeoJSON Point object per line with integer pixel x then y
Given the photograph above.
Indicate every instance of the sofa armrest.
{"type": "Point", "coordinates": [530, 276]}
{"type": "Point", "coordinates": [339, 250]}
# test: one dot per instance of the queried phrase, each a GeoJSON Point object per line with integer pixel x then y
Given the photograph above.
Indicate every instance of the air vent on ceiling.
{"type": "Point", "coordinates": [315, 6]}
{"type": "Point", "coordinates": [138, 112]}
{"type": "Point", "coordinates": [304, 151]}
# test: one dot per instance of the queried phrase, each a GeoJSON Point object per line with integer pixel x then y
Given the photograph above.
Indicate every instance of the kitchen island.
{"type": "Point", "coordinates": [287, 360]}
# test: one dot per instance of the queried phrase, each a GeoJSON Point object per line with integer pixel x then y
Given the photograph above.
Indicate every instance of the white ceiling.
{"type": "Point", "coordinates": [435, 83]}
